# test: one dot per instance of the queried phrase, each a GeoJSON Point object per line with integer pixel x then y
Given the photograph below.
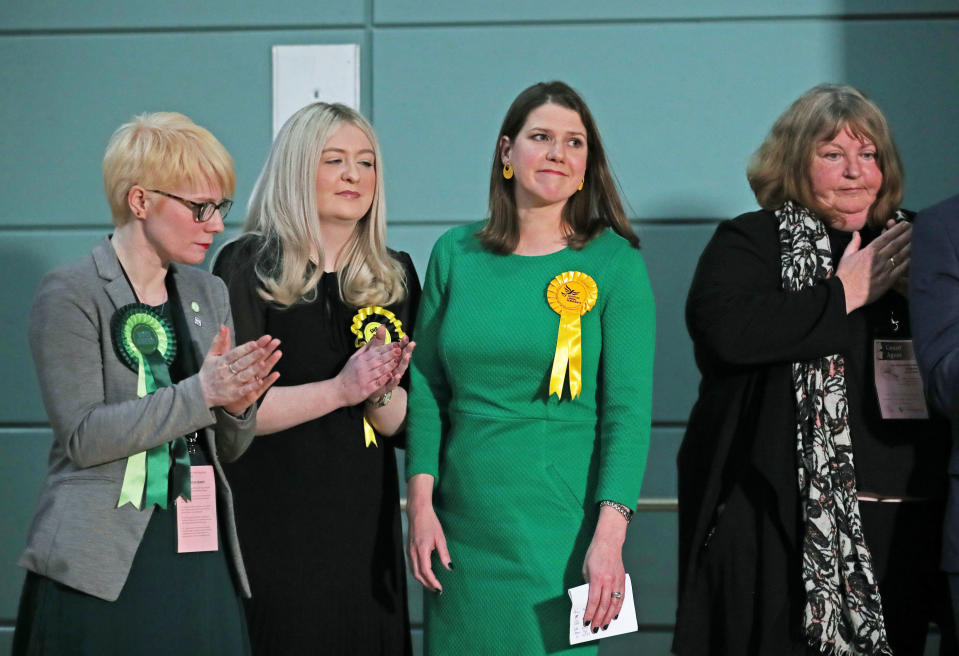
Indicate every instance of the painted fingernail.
{"type": "Point", "coordinates": [617, 616]}
{"type": "Point", "coordinates": [585, 622]}
{"type": "Point", "coordinates": [595, 629]}
{"type": "Point", "coordinates": [605, 626]}
{"type": "Point", "coordinates": [450, 565]}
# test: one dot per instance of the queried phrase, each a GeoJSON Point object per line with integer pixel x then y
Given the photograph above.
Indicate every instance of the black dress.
{"type": "Point", "coordinates": [317, 507]}
{"type": "Point", "coordinates": [740, 523]}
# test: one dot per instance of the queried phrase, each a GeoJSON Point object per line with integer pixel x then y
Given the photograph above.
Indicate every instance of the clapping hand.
{"type": "Point", "coordinates": [369, 369]}
{"type": "Point", "coordinates": [236, 378]}
{"type": "Point", "coordinates": [399, 369]}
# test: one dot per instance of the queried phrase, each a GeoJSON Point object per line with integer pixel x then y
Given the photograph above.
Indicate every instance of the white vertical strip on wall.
{"type": "Point", "coordinates": [307, 74]}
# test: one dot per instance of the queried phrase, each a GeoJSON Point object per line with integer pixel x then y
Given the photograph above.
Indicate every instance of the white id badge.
{"type": "Point", "coordinates": [898, 385]}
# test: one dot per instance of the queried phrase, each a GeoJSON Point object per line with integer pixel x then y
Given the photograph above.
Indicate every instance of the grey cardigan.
{"type": "Point", "coordinates": [78, 536]}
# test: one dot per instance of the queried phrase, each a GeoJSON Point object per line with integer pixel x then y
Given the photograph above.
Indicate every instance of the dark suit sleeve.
{"type": "Point", "coordinates": [738, 313]}
{"type": "Point", "coordinates": [934, 303]}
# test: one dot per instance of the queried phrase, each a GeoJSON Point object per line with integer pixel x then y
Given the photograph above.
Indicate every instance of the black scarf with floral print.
{"type": "Point", "coordinates": [843, 610]}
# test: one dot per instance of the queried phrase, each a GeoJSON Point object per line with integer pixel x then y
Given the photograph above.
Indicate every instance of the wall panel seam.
{"type": "Point", "coordinates": [585, 22]}
{"type": "Point", "coordinates": [168, 29]}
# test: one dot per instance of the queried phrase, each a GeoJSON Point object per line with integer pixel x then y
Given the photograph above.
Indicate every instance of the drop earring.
{"type": "Point", "coordinates": [507, 171]}
{"type": "Point", "coordinates": [580, 187]}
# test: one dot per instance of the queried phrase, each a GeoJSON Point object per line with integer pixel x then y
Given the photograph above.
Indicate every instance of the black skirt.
{"type": "Point", "coordinates": [171, 603]}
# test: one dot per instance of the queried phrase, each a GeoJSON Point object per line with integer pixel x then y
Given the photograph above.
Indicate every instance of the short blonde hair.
{"type": "Point", "coordinates": [283, 211]}
{"type": "Point", "coordinates": [163, 150]}
{"type": "Point", "coordinates": [779, 170]}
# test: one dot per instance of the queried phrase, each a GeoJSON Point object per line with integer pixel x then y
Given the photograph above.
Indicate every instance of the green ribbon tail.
{"type": "Point", "coordinates": [158, 458]}
{"type": "Point", "coordinates": [133, 481]}
{"type": "Point", "coordinates": [158, 464]}
{"type": "Point", "coordinates": [159, 373]}
{"type": "Point", "coordinates": [135, 474]}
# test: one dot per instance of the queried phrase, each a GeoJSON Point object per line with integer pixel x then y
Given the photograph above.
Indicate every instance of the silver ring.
{"type": "Point", "coordinates": [232, 370]}
{"type": "Point", "coordinates": [892, 262]}
{"type": "Point", "coordinates": [616, 595]}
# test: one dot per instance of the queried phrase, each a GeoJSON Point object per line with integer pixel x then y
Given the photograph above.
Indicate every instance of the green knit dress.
{"type": "Point", "coordinates": [518, 472]}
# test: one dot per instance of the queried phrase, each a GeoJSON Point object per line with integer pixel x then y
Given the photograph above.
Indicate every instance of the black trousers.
{"type": "Point", "coordinates": [905, 540]}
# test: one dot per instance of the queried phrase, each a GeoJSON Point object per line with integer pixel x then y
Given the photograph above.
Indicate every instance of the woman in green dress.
{"type": "Point", "coordinates": [530, 394]}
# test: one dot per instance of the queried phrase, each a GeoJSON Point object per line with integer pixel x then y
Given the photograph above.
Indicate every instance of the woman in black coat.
{"type": "Point", "coordinates": [810, 489]}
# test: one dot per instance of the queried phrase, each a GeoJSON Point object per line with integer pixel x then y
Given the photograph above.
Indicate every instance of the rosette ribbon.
{"type": "Point", "coordinates": [146, 343]}
{"type": "Point", "coordinates": [571, 295]}
{"type": "Point", "coordinates": [366, 321]}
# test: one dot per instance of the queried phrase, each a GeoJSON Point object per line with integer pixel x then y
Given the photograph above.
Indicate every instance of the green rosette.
{"type": "Point", "coordinates": [145, 341]}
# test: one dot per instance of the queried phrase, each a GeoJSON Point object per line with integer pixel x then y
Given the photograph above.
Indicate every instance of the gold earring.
{"type": "Point", "coordinates": [581, 184]}
{"type": "Point", "coordinates": [508, 171]}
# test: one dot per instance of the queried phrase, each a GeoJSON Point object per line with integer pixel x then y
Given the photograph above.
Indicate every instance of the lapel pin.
{"type": "Point", "coordinates": [194, 306]}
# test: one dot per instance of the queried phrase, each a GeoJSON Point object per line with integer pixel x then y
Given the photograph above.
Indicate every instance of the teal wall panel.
{"type": "Point", "coordinates": [650, 556]}
{"type": "Point", "coordinates": [176, 14]}
{"type": "Point", "coordinates": [27, 255]}
{"type": "Point", "coordinates": [915, 84]}
{"type": "Point", "coordinates": [66, 113]}
{"type": "Point", "coordinates": [679, 121]}
{"type": "Point", "coordinates": [671, 253]}
{"type": "Point", "coordinates": [23, 457]}
{"type": "Point", "coordinates": [509, 11]}
{"type": "Point", "coordinates": [660, 479]}
{"type": "Point", "coordinates": [415, 239]}
{"type": "Point", "coordinates": [648, 642]}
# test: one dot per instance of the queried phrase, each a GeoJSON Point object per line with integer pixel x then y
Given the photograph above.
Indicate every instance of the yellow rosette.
{"type": "Point", "coordinates": [570, 295]}
{"type": "Point", "coordinates": [366, 321]}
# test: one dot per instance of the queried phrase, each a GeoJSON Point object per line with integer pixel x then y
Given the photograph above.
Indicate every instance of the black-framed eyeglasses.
{"type": "Point", "coordinates": [202, 212]}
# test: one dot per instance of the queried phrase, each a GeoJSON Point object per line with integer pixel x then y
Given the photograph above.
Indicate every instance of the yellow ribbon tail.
{"type": "Point", "coordinates": [370, 434]}
{"type": "Point", "coordinates": [575, 359]}
{"type": "Point", "coordinates": [567, 346]}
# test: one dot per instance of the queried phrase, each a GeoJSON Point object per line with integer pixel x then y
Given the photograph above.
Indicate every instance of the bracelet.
{"type": "Point", "coordinates": [383, 400]}
{"type": "Point", "coordinates": [618, 507]}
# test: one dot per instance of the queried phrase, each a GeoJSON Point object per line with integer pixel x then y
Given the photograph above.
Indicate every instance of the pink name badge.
{"type": "Point", "coordinates": [898, 385]}
{"type": "Point", "coordinates": [196, 519]}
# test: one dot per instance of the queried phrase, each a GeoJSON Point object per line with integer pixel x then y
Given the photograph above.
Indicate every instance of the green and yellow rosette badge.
{"type": "Point", "coordinates": [570, 295]}
{"type": "Point", "coordinates": [145, 342]}
{"type": "Point", "coordinates": [366, 322]}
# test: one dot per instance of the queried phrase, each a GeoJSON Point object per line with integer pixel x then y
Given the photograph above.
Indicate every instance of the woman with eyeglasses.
{"type": "Point", "coordinates": [146, 396]}
{"type": "Point", "coordinates": [317, 494]}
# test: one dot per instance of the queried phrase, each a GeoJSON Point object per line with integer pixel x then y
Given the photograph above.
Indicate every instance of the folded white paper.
{"type": "Point", "coordinates": [626, 623]}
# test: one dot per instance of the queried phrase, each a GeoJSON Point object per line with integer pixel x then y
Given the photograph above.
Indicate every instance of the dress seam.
{"type": "Point", "coordinates": [591, 421]}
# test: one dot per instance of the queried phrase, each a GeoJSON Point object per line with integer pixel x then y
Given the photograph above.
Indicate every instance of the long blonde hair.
{"type": "Point", "coordinates": [283, 212]}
